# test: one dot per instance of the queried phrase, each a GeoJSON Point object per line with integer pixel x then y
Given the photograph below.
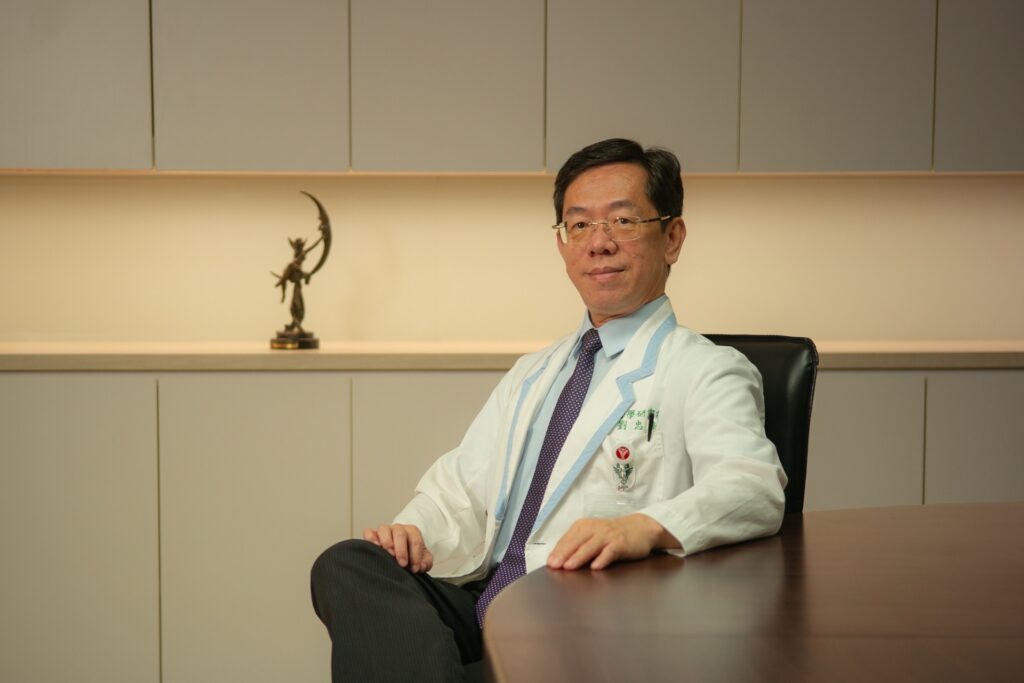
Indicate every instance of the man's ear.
{"type": "Point", "coordinates": [675, 235]}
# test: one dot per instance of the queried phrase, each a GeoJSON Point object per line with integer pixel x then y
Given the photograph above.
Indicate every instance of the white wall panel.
{"type": "Point", "coordinates": [254, 484]}
{"type": "Point", "coordinates": [448, 85]}
{"type": "Point", "coordinates": [251, 85]}
{"type": "Point", "coordinates": [78, 528]}
{"type": "Point", "coordinates": [979, 96]}
{"type": "Point", "coordinates": [74, 84]}
{"type": "Point", "coordinates": [403, 422]}
{"type": "Point", "coordinates": [975, 437]}
{"type": "Point", "coordinates": [662, 73]}
{"type": "Point", "coordinates": [837, 86]}
{"type": "Point", "coordinates": [867, 440]}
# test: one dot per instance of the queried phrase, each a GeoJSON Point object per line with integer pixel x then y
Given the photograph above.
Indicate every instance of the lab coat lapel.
{"type": "Point", "coordinates": [532, 395]}
{"type": "Point", "coordinates": [606, 405]}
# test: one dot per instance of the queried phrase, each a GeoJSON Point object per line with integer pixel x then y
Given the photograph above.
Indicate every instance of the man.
{"type": "Point", "coordinates": [630, 435]}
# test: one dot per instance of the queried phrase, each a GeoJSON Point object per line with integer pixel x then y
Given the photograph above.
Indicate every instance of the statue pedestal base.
{"type": "Point", "coordinates": [294, 340]}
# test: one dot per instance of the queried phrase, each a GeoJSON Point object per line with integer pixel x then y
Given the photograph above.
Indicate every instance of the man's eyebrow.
{"type": "Point", "coordinates": [617, 204]}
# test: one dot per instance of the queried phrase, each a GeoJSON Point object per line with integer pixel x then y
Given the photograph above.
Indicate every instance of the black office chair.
{"type": "Point", "coordinates": [788, 366]}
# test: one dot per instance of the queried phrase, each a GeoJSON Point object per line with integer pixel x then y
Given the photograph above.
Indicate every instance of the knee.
{"type": "Point", "coordinates": [342, 557]}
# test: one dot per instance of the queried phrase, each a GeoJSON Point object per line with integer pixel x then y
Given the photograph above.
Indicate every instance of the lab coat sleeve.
{"type": "Point", "coordinates": [449, 506]}
{"type": "Point", "coordinates": [738, 481]}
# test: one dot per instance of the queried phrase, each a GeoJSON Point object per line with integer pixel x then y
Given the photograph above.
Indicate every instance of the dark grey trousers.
{"type": "Point", "coordinates": [387, 624]}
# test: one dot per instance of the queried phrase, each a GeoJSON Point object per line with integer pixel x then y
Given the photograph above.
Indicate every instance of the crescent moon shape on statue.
{"type": "Point", "coordinates": [325, 228]}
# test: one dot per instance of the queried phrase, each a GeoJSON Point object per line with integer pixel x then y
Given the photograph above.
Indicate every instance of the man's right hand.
{"type": "Point", "coordinates": [405, 543]}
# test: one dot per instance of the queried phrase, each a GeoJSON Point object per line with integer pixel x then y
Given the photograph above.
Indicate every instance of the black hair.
{"type": "Point", "coordinates": [664, 183]}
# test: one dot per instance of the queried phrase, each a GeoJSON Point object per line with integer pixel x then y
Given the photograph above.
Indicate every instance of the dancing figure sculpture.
{"type": "Point", "coordinates": [293, 336]}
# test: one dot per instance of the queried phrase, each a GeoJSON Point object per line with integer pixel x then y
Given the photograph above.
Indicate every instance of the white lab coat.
{"type": "Point", "coordinates": [705, 471]}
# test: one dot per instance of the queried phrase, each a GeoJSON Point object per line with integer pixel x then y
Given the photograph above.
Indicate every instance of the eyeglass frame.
{"type": "Point", "coordinates": [563, 227]}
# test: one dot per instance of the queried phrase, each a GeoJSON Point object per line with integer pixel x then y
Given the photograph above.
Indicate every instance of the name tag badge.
{"type": "Point", "coordinates": [624, 468]}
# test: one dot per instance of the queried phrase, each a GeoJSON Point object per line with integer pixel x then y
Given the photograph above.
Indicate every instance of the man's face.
{"type": "Point", "coordinates": [616, 278]}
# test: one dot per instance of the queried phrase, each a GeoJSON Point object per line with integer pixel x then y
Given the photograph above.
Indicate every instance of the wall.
{"type": "Point", "coordinates": [176, 257]}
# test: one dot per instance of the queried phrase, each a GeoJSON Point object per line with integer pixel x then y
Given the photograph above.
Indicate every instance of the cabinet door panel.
{"type": "Point", "coordinates": [979, 98]}
{"type": "Point", "coordinates": [402, 422]}
{"type": "Point", "coordinates": [661, 73]}
{"type": "Point", "coordinates": [448, 85]}
{"type": "Point", "coordinates": [251, 86]}
{"type": "Point", "coordinates": [78, 528]}
{"type": "Point", "coordinates": [975, 437]}
{"type": "Point", "coordinates": [867, 440]}
{"type": "Point", "coordinates": [74, 84]}
{"type": "Point", "coordinates": [837, 86]}
{"type": "Point", "coordinates": [254, 485]}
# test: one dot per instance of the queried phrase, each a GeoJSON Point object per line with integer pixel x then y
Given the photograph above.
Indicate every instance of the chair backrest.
{"type": "Point", "coordinates": [788, 367]}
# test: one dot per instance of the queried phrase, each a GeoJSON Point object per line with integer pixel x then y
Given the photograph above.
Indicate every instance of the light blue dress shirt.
{"type": "Point", "coordinates": [615, 334]}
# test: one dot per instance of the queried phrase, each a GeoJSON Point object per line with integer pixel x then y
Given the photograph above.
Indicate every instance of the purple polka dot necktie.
{"type": "Point", "coordinates": [513, 565]}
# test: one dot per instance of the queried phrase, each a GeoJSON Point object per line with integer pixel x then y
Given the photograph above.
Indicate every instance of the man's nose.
{"type": "Point", "coordinates": [600, 239]}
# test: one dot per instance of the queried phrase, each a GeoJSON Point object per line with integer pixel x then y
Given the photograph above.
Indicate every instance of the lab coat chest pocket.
{"type": "Point", "coordinates": [625, 475]}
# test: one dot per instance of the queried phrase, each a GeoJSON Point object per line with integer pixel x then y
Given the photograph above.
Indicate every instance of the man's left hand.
{"type": "Point", "coordinates": [600, 542]}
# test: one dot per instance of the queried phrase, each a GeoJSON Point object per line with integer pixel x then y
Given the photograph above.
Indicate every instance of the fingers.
{"type": "Point", "coordinates": [563, 549]}
{"type": "Point", "coordinates": [601, 542]}
{"type": "Point", "coordinates": [425, 562]}
{"type": "Point", "coordinates": [606, 557]}
{"type": "Point", "coordinates": [386, 540]}
{"type": "Point", "coordinates": [420, 558]}
{"type": "Point", "coordinates": [404, 542]}
{"type": "Point", "coordinates": [400, 544]}
{"type": "Point", "coordinates": [597, 543]}
{"type": "Point", "coordinates": [577, 545]}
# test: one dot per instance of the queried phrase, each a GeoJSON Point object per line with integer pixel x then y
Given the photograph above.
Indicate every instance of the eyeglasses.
{"type": "Point", "coordinates": [618, 228]}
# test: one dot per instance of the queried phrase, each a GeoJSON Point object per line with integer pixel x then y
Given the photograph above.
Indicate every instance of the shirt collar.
{"type": "Point", "coordinates": [617, 332]}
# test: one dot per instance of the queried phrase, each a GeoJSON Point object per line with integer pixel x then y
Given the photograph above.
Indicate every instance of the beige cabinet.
{"type": "Point", "coordinates": [174, 517]}
{"type": "Point", "coordinates": [254, 484]}
{"type": "Point", "coordinates": [837, 86]}
{"type": "Point", "coordinates": [250, 86]}
{"type": "Point", "coordinates": [74, 84]}
{"type": "Point", "coordinates": [867, 440]}
{"type": "Point", "coordinates": [975, 437]}
{"type": "Point", "coordinates": [465, 86]}
{"type": "Point", "coordinates": [78, 528]}
{"type": "Point", "coordinates": [906, 438]}
{"type": "Point", "coordinates": [449, 85]}
{"type": "Point", "coordinates": [661, 73]}
{"type": "Point", "coordinates": [979, 98]}
{"type": "Point", "coordinates": [401, 423]}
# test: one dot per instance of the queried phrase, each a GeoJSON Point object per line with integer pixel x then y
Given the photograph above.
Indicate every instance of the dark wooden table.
{"type": "Point", "coordinates": [923, 593]}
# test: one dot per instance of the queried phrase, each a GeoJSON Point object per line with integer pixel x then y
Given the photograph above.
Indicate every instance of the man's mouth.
{"type": "Point", "coordinates": [604, 273]}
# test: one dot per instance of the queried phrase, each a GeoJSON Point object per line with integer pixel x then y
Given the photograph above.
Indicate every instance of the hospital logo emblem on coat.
{"type": "Point", "coordinates": [624, 469]}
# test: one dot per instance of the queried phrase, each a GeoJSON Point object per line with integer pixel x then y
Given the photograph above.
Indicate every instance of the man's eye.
{"type": "Point", "coordinates": [623, 220]}
{"type": "Point", "coordinates": [578, 225]}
